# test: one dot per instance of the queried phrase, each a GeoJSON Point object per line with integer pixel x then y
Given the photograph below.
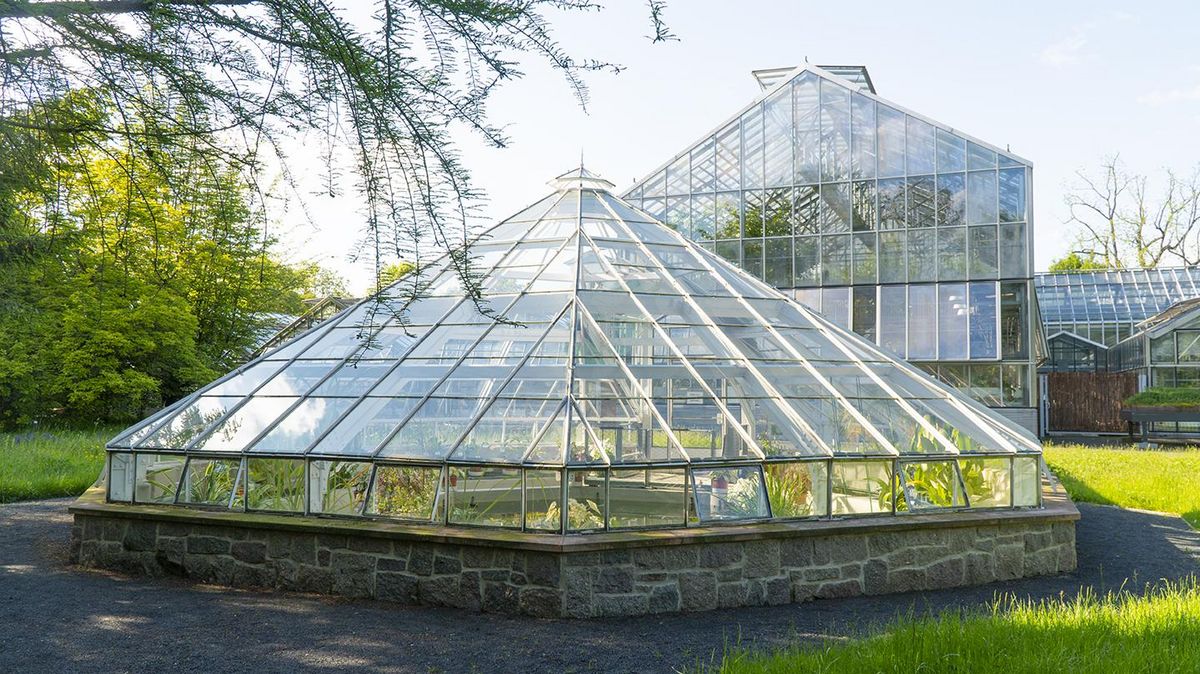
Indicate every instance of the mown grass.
{"type": "Point", "coordinates": [1167, 397]}
{"type": "Point", "coordinates": [1163, 480]}
{"type": "Point", "coordinates": [1157, 632]}
{"type": "Point", "coordinates": [49, 463]}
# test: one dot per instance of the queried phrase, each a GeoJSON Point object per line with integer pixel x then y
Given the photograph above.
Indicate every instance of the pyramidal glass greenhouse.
{"type": "Point", "coordinates": [619, 377]}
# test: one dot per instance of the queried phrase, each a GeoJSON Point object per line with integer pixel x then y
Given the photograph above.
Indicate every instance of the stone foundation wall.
{"type": "Point", "coordinates": [656, 576]}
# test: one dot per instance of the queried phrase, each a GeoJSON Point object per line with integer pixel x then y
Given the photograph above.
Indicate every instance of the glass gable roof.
{"type": "Point", "coordinates": [609, 340]}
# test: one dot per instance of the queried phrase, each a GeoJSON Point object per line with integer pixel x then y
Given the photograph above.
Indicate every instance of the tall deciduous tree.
{"type": "Point", "coordinates": [1123, 220]}
{"type": "Point", "coordinates": [244, 78]}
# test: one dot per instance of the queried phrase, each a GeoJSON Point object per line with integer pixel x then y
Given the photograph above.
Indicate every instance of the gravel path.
{"type": "Point", "coordinates": [56, 618]}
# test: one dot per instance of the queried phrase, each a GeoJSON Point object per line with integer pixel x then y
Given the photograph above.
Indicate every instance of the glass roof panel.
{"type": "Point", "coordinates": [187, 424]}
{"type": "Point", "coordinates": [509, 429]}
{"type": "Point", "coordinates": [244, 381]}
{"type": "Point", "coordinates": [362, 431]}
{"type": "Point", "coordinates": [244, 425]}
{"type": "Point", "coordinates": [296, 430]}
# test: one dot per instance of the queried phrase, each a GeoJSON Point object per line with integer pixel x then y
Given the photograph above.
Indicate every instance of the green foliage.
{"type": "Point", "coordinates": [48, 463]}
{"type": "Point", "coordinates": [1076, 262]}
{"type": "Point", "coordinates": [275, 484]}
{"type": "Point", "coordinates": [789, 489]}
{"type": "Point", "coordinates": [1117, 632]}
{"type": "Point", "coordinates": [129, 273]}
{"type": "Point", "coordinates": [1163, 481]}
{"type": "Point", "coordinates": [406, 492]}
{"type": "Point", "coordinates": [1165, 397]}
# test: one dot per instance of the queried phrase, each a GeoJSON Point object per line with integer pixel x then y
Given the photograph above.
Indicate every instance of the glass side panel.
{"type": "Point", "coordinates": [407, 492]}
{"type": "Point", "coordinates": [484, 496]}
{"type": "Point", "coordinates": [1027, 481]}
{"type": "Point", "coordinates": [543, 498]}
{"type": "Point", "coordinates": [988, 481]}
{"type": "Point", "coordinates": [157, 477]}
{"type": "Point", "coordinates": [275, 484]}
{"type": "Point", "coordinates": [121, 474]}
{"type": "Point", "coordinates": [213, 482]}
{"type": "Point", "coordinates": [798, 489]}
{"type": "Point", "coordinates": [729, 493]}
{"type": "Point", "coordinates": [338, 487]}
{"type": "Point", "coordinates": [862, 487]}
{"type": "Point", "coordinates": [646, 498]}
{"type": "Point", "coordinates": [586, 490]}
{"type": "Point", "coordinates": [929, 485]}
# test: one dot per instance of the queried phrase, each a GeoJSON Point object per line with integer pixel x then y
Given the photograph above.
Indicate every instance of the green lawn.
{"type": "Point", "coordinates": [1156, 633]}
{"type": "Point", "coordinates": [1162, 480]}
{"type": "Point", "coordinates": [48, 463]}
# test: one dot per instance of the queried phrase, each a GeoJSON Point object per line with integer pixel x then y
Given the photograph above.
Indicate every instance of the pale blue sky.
{"type": "Point", "coordinates": [1062, 83]}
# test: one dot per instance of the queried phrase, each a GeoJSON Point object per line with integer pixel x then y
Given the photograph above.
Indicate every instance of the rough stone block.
{"type": "Point", "coordinates": [620, 604]}
{"type": "Point", "coordinates": [777, 591]}
{"type": "Point", "coordinates": [946, 573]}
{"type": "Point", "coordinates": [716, 555]}
{"type": "Point", "coordinates": [207, 545]}
{"type": "Point", "coordinates": [663, 599]}
{"type": "Point", "coordinates": [980, 567]}
{"type": "Point", "coordinates": [420, 560]}
{"type": "Point", "coordinates": [796, 552]}
{"type": "Point", "coordinates": [698, 590]}
{"type": "Point", "coordinates": [500, 598]}
{"type": "Point", "coordinates": [762, 559]}
{"type": "Point", "coordinates": [839, 589]}
{"type": "Point", "coordinates": [731, 595]}
{"type": "Point", "coordinates": [542, 569]}
{"type": "Point", "coordinates": [875, 576]}
{"type": "Point", "coordinates": [309, 578]}
{"type": "Point", "coordinates": [613, 580]}
{"type": "Point", "coordinates": [353, 573]}
{"type": "Point", "coordinates": [1010, 561]}
{"type": "Point", "coordinates": [476, 557]}
{"type": "Point", "coordinates": [445, 565]}
{"type": "Point", "coordinates": [839, 549]}
{"type": "Point", "coordinates": [250, 552]}
{"type": "Point", "coordinates": [440, 591]}
{"type": "Point", "coordinates": [140, 536]}
{"type": "Point", "coordinates": [378, 546]}
{"type": "Point", "coordinates": [540, 602]}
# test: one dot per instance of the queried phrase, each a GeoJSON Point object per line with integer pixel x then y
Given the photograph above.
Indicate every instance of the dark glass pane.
{"type": "Point", "coordinates": [862, 125]}
{"type": "Point", "coordinates": [982, 250]}
{"type": "Point", "coordinates": [892, 209]}
{"type": "Point", "coordinates": [778, 212]}
{"type": "Point", "coordinates": [922, 255]}
{"type": "Point", "coordinates": [864, 311]}
{"type": "Point", "coordinates": [864, 258]}
{"type": "Point", "coordinates": [807, 209]}
{"type": "Point", "coordinates": [863, 201]}
{"type": "Point", "coordinates": [921, 202]}
{"type": "Point", "coordinates": [752, 257]}
{"type": "Point", "coordinates": [892, 268]}
{"type": "Point", "coordinates": [1013, 252]}
{"type": "Point", "coordinates": [808, 260]}
{"type": "Point", "coordinates": [752, 213]}
{"type": "Point", "coordinates": [778, 254]}
{"type": "Point", "coordinates": [1014, 321]}
{"type": "Point", "coordinates": [951, 199]}
{"type": "Point", "coordinates": [983, 320]}
{"type": "Point", "coordinates": [835, 259]}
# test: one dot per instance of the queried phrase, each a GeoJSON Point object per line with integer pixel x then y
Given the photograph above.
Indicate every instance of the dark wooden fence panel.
{"type": "Point", "coordinates": [1089, 401]}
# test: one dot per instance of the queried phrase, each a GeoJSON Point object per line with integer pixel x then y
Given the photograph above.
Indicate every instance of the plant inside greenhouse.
{"type": "Point", "coordinates": [613, 375]}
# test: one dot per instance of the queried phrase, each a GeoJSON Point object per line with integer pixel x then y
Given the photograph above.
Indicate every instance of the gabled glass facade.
{"type": "Point", "coordinates": [894, 226]}
{"type": "Point", "coordinates": [626, 378]}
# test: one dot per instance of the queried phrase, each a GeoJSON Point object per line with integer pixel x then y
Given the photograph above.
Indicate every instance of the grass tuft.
{"type": "Point", "coordinates": [50, 463]}
{"type": "Point", "coordinates": [1165, 397]}
{"type": "Point", "coordinates": [1162, 480]}
{"type": "Point", "coordinates": [1121, 632]}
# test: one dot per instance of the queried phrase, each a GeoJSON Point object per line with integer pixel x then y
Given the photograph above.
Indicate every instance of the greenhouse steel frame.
{"type": "Point", "coordinates": [714, 382]}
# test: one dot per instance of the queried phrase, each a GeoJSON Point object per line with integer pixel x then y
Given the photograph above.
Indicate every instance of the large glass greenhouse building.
{"type": "Point", "coordinates": [629, 378]}
{"type": "Point", "coordinates": [850, 203]}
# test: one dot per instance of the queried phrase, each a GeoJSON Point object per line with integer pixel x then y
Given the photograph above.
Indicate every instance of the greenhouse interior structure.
{"type": "Point", "coordinates": [614, 376]}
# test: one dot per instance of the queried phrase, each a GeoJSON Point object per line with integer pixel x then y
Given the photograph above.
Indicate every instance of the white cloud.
{"type": "Point", "coordinates": [1067, 51]}
{"type": "Point", "coordinates": [1160, 97]}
